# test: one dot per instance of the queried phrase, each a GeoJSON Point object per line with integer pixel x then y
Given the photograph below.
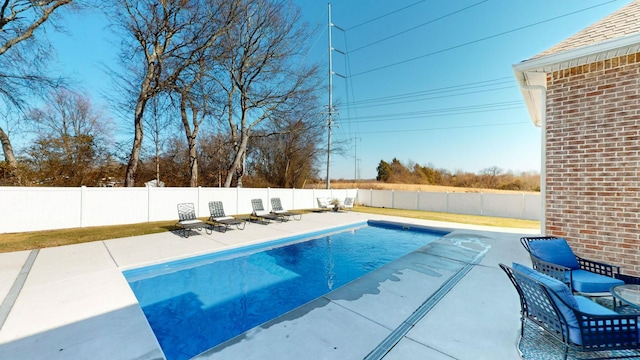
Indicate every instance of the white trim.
{"type": "Point", "coordinates": [607, 49]}
{"type": "Point", "coordinates": [533, 72]}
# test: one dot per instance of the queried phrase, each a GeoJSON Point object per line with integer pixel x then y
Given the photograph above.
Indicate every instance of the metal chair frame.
{"type": "Point", "coordinates": [597, 332]}
{"type": "Point", "coordinates": [187, 219]}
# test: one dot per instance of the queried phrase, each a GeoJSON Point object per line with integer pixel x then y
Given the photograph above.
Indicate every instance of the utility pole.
{"type": "Point", "coordinates": [330, 120]}
{"type": "Point", "coordinates": [330, 110]}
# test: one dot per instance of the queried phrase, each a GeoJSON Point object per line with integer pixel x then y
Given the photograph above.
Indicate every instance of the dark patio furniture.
{"type": "Point", "coordinates": [219, 218]}
{"type": "Point", "coordinates": [575, 321]}
{"type": "Point", "coordinates": [553, 256]}
{"type": "Point", "coordinates": [262, 215]}
{"type": "Point", "coordinates": [276, 208]}
{"type": "Point", "coordinates": [187, 219]}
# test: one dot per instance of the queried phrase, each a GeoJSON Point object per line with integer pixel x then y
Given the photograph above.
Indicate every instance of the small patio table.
{"type": "Point", "coordinates": [628, 294]}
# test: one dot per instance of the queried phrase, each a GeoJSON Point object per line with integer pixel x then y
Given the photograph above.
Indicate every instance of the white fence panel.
{"type": "Point", "coordinates": [163, 202]}
{"type": "Point", "coordinates": [497, 204]}
{"type": "Point", "coordinates": [39, 208]}
{"type": "Point", "coordinates": [247, 194]}
{"type": "Point", "coordinates": [36, 208]}
{"type": "Point", "coordinates": [532, 207]}
{"type": "Point", "coordinates": [464, 203]}
{"type": "Point", "coordinates": [287, 198]}
{"type": "Point", "coordinates": [405, 200]}
{"type": "Point", "coordinates": [381, 198]}
{"type": "Point", "coordinates": [103, 206]}
{"type": "Point", "coordinates": [518, 206]}
{"type": "Point", "coordinates": [436, 202]}
{"type": "Point", "coordinates": [228, 196]}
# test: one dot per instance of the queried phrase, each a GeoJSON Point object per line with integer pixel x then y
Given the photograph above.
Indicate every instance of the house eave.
{"type": "Point", "coordinates": [528, 73]}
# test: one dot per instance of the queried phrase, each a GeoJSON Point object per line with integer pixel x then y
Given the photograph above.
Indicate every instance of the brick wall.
{"type": "Point", "coordinates": [593, 160]}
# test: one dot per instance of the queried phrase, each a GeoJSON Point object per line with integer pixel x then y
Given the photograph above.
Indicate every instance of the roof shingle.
{"type": "Point", "coordinates": [625, 21]}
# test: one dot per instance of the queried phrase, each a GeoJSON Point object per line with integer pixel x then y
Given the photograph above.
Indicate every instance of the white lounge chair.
{"type": "Point", "coordinates": [323, 204]}
{"type": "Point", "coordinates": [348, 203]}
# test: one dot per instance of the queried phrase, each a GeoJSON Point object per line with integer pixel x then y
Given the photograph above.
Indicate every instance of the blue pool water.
{"type": "Point", "coordinates": [195, 304]}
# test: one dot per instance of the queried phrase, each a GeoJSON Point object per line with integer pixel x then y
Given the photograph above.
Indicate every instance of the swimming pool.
{"type": "Point", "coordinates": [197, 303]}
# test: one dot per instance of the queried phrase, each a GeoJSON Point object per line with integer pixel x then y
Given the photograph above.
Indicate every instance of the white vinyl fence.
{"type": "Point", "coordinates": [518, 205]}
{"type": "Point", "coordinates": [46, 208]}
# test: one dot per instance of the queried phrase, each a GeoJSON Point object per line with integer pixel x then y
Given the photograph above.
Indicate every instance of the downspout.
{"type": "Point", "coordinates": [543, 151]}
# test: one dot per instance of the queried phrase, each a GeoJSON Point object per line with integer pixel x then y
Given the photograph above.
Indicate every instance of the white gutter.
{"type": "Point", "coordinates": [543, 144]}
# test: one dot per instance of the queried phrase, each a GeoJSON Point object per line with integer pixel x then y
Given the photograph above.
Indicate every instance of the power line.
{"type": "Point", "coordinates": [319, 25]}
{"type": "Point", "coordinates": [390, 102]}
{"type": "Point", "coordinates": [440, 90]}
{"type": "Point", "coordinates": [480, 40]}
{"type": "Point", "coordinates": [446, 128]}
{"type": "Point", "coordinates": [385, 15]}
{"type": "Point", "coordinates": [472, 109]}
{"type": "Point", "coordinates": [419, 26]}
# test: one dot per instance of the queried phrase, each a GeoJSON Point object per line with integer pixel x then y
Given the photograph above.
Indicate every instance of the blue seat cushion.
{"type": "Point", "coordinates": [588, 306]}
{"type": "Point", "coordinates": [559, 291]}
{"type": "Point", "coordinates": [588, 282]}
{"type": "Point", "coordinates": [555, 251]}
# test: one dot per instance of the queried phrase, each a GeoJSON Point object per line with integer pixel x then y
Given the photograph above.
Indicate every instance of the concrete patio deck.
{"type": "Point", "coordinates": [72, 302]}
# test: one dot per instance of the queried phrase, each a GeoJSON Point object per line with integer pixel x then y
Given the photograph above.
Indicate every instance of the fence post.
{"type": "Point", "coordinates": [198, 194]}
{"type": "Point", "coordinates": [82, 207]}
{"type": "Point", "coordinates": [148, 203]}
{"type": "Point", "coordinates": [418, 200]}
{"type": "Point", "coordinates": [481, 203]}
{"type": "Point", "coordinates": [393, 199]}
{"type": "Point", "coordinates": [237, 200]}
{"type": "Point", "coordinates": [446, 202]}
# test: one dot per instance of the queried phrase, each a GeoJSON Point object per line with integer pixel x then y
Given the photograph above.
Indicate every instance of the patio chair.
{"type": "Point", "coordinates": [276, 208]}
{"type": "Point", "coordinates": [187, 219]}
{"type": "Point", "coordinates": [554, 257]}
{"type": "Point", "coordinates": [262, 215]}
{"type": "Point", "coordinates": [348, 203]}
{"type": "Point", "coordinates": [323, 204]}
{"type": "Point", "coordinates": [219, 218]}
{"type": "Point", "coordinates": [575, 321]}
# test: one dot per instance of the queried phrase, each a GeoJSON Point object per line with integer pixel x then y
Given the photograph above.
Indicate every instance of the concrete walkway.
{"type": "Point", "coordinates": [450, 300]}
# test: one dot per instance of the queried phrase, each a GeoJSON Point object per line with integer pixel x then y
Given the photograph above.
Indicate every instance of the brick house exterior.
{"type": "Point", "coordinates": [585, 94]}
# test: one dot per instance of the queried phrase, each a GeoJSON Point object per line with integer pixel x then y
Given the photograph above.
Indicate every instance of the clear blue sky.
{"type": "Point", "coordinates": [428, 82]}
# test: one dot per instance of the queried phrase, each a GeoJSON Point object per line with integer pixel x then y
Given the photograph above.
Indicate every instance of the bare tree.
{"type": "Point", "coordinates": [21, 57]}
{"type": "Point", "coordinates": [158, 120]}
{"type": "Point", "coordinates": [288, 155]}
{"type": "Point", "coordinates": [264, 74]}
{"type": "Point", "coordinates": [215, 157]}
{"type": "Point", "coordinates": [489, 177]}
{"type": "Point", "coordinates": [72, 141]}
{"type": "Point", "coordinates": [197, 101]}
{"type": "Point", "coordinates": [163, 38]}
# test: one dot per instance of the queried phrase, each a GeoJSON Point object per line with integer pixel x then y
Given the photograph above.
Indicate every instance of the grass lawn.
{"type": "Point", "coordinates": [50, 238]}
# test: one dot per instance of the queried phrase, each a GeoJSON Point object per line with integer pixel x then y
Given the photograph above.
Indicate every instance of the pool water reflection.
{"type": "Point", "coordinates": [195, 305]}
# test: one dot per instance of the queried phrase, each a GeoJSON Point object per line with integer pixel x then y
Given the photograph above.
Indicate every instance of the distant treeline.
{"type": "Point", "coordinates": [489, 178]}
